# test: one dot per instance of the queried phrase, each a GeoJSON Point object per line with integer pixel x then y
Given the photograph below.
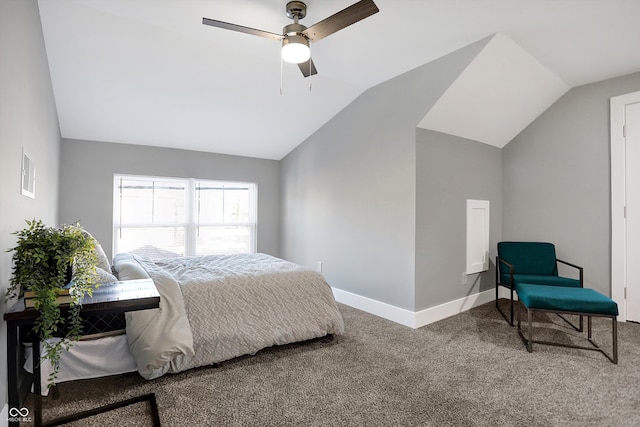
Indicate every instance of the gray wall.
{"type": "Point", "coordinates": [86, 182]}
{"type": "Point", "coordinates": [451, 170]}
{"type": "Point", "coordinates": [27, 119]}
{"type": "Point", "coordinates": [349, 191]}
{"type": "Point", "coordinates": [557, 179]}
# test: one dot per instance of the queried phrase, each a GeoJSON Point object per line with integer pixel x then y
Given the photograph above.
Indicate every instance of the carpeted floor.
{"type": "Point", "coordinates": [467, 370]}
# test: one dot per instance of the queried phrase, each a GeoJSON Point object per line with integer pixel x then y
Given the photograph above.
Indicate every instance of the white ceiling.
{"type": "Point", "coordinates": [500, 93]}
{"type": "Point", "coordinates": [148, 72]}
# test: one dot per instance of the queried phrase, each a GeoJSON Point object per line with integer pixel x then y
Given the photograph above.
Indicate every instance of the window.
{"type": "Point", "coordinates": [159, 217]}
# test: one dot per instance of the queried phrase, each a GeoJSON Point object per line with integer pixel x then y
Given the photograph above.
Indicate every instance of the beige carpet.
{"type": "Point", "coordinates": [468, 370]}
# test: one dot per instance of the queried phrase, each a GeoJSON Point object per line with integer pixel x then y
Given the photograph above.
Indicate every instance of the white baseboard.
{"type": "Point", "coordinates": [451, 308]}
{"type": "Point", "coordinates": [4, 416]}
{"type": "Point", "coordinates": [381, 309]}
{"type": "Point", "coordinates": [414, 319]}
{"type": "Point", "coordinates": [505, 293]}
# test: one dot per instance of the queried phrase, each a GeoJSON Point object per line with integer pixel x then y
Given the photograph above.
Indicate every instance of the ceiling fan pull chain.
{"type": "Point", "coordinates": [281, 76]}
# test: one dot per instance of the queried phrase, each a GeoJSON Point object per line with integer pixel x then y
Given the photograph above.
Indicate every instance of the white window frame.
{"type": "Point", "coordinates": [191, 225]}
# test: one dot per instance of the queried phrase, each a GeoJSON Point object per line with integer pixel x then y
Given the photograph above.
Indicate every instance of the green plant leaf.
{"type": "Point", "coordinates": [42, 258]}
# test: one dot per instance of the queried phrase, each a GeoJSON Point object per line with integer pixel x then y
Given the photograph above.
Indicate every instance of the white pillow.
{"type": "Point", "coordinates": [103, 261]}
{"type": "Point", "coordinates": [127, 268]}
{"type": "Point", "coordinates": [104, 276]}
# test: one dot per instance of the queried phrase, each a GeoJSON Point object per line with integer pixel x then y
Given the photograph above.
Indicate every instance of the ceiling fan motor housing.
{"type": "Point", "coordinates": [296, 10]}
{"type": "Point", "coordinates": [299, 39]}
{"type": "Point", "coordinates": [293, 29]}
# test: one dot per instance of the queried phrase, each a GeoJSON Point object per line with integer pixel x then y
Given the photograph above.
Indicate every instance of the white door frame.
{"type": "Point", "coordinates": [618, 191]}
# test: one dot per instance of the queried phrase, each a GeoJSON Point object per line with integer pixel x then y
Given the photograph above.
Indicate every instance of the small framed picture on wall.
{"type": "Point", "coordinates": [28, 181]}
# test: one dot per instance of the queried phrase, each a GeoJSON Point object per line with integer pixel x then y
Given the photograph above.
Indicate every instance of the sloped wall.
{"type": "Point", "coordinates": [349, 191]}
{"type": "Point", "coordinates": [502, 91]}
{"type": "Point", "coordinates": [28, 119]}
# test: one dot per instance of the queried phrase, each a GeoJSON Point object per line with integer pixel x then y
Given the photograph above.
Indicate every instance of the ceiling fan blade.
{"type": "Point", "coordinates": [340, 20]}
{"type": "Point", "coordinates": [308, 68]}
{"type": "Point", "coordinates": [241, 29]}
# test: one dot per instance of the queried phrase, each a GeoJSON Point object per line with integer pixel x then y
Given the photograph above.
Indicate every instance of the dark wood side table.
{"type": "Point", "coordinates": [108, 299]}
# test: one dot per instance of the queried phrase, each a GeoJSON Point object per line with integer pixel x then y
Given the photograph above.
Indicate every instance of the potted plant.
{"type": "Point", "coordinates": [44, 260]}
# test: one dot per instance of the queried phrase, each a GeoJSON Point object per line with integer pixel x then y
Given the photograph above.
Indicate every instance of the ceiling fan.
{"type": "Point", "coordinates": [296, 37]}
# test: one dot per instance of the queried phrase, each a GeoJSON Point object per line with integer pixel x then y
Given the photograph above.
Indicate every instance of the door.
{"type": "Point", "coordinates": [632, 202]}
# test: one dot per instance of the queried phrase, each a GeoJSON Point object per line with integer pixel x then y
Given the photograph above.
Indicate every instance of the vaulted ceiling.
{"type": "Point", "coordinates": [498, 94]}
{"type": "Point", "coordinates": [148, 72]}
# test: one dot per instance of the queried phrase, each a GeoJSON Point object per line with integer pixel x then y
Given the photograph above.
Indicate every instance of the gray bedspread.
{"type": "Point", "coordinates": [233, 305]}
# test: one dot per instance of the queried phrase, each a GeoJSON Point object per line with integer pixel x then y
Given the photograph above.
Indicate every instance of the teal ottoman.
{"type": "Point", "coordinates": [565, 300]}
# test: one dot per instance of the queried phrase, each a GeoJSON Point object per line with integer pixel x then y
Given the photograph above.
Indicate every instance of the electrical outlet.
{"type": "Point", "coordinates": [464, 278]}
{"type": "Point", "coordinates": [319, 266]}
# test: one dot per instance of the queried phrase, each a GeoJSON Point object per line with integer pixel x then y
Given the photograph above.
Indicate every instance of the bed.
{"type": "Point", "coordinates": [212, 309]}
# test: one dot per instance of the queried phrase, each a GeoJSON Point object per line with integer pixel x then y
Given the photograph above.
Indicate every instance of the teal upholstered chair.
{"type": "Point", "coordinates": [530, 262]}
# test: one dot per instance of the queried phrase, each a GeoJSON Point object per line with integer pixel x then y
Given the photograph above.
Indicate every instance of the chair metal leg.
{"type": "Point", "coordinates": [511, 306]}
{"type": "Point", "coordinates": [504, 313]}
{"type": "Point", "coordinates": [579, 328]}
{"type": "Point", "coordinates": [519, 327]}
{"type": "Point", "coordinates": [614, 328]}
{"type": "Point", "coordinates": [530, 341]}
{"type": "Point", "coordinates": [581, 324]}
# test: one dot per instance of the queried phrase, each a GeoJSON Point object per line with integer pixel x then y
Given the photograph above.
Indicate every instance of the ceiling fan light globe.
{"type": "Point", "coordinates": [295, 49]}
